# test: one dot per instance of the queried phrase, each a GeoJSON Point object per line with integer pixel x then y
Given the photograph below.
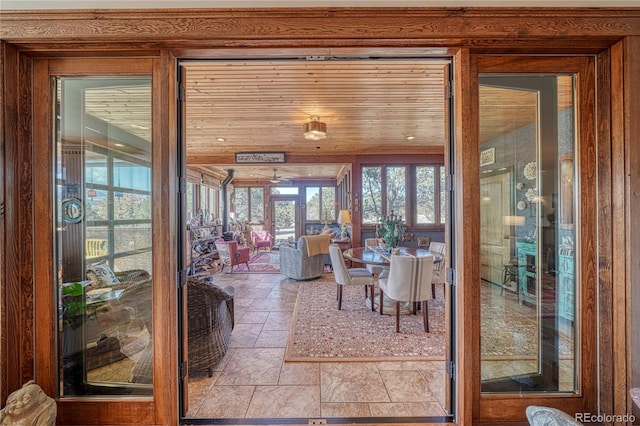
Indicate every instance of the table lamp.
{"type": "Point", "coordinates": [344, 218]}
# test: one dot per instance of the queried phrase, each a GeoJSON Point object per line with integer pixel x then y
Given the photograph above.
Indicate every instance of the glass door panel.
{"type": "Point", "coordinates": [285, 220]}
{"type": "Point", "coordinates": [103, 246]}
{"type": "Point", "coordinates": [527, 236]}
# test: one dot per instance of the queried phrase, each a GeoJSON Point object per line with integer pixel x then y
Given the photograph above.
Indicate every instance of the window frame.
{"type": "Point", "coordinates": [411, 193]}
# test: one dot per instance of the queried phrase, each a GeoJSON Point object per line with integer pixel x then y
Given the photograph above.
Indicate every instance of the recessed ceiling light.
{"type": "Point", "coordinates": [221, 139]}
{"type": "Point", "coordinates": [118, 144]}
{"type": "Point", "coordinates": [410, 137]}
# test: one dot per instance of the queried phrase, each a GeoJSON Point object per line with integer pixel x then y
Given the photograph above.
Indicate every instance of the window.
{"type": "Point", "coordinates": [415, 192]}
{"type": "Point", "coordinates": [321, 203]}
{"type": "Point", "coordinates": [249, 204]}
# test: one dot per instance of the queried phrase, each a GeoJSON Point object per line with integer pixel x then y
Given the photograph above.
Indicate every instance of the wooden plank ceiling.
{"type": "Point", "coordinates": [369, 107]}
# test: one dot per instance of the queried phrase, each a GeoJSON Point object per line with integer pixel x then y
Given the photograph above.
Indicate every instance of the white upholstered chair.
{"type": "Point", "coordinates": [409, 281]}
{"type": "Point", "coordinates": [369, 242]}
{"type": "Point", "coordinates": [349, 276]}
{"type": "Point", "coordinates": [439, 268]}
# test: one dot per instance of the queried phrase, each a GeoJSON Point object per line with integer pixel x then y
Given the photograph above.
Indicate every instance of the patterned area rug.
{"type": "Point", "coordinates": [319, 332]}
{"type": "Point", "coordinates": [260, 263]}
{"type": "Point", "coordinates": [509, 330]}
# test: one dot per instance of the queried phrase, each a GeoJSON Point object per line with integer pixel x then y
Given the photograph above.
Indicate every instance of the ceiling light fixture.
{"type": "Point", "coordinates": [410, 137]}
{"type": "Point", "coordinates": [221, 139]}
{"type": "Point", "coordinates": [315, 129]}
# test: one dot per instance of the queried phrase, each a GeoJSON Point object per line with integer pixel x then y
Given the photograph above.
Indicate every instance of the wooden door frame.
{"type": "Point", "coordinates": [161, 407]}
{"type": "Point", "coordinates": [612, 34]}
{"type": "Point", "coordinates": [506, 407]}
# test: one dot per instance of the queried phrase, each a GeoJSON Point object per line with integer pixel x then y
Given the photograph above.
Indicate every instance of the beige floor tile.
{"type": "Point", "coordinates": [404, 365]}
{"type": "Point", "coordinates": [406, 386]}
{"type": "Point", "coordinates": [199, 387]}
{"type": "Point", "coordinates": [252, 367]}
{"type": "Point", "coordinates": [352, 382]}
{"type": "Point", "coordinates": [245, 335]}
{"type": "Point", "coordinates": [272, 339]}
{"type": "Point", "coordinates": [408, 409]}
{"type": "Point", "coordinates": [226, 402]}
{"type": "Point", "coordinates": [300, 373]}
{"type": "Point", "coordinates": [278, 321]}
{"type": "Point", "coordinates": [252, 317]}
{"type": "Point", "coordinates": [345, 409]}
{"type": "Point", "coordinates": [269, 304]}
{"type": "Point", "coordinates": [285, 401]}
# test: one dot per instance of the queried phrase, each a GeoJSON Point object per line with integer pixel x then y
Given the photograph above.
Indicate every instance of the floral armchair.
{"type": "Point", "coordinates": [231, 254]}
{"type": "Point", "coordinates": [261, 239]}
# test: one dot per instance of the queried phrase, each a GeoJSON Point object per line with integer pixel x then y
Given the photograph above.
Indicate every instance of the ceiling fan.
{"type": "Point", "coordinates": [278, 179]}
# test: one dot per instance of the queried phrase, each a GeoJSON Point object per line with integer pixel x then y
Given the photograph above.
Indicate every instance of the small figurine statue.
{"type": "Point", "coordinates": [29, 406]}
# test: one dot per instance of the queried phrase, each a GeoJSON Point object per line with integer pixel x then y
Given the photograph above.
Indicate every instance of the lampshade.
{"type": "Point", "coordinates": [344, 217]}
{"type": "Point", "coordinates": [315, 129]}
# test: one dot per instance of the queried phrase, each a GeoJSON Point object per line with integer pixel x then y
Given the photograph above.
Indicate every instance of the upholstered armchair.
{"type": "Point", "coordinates": [409, 281]}
{"type": "Point", "coordinates": [231, 254]}
{"type": "Point", "coordinates": [306, 260]}
{"type": "Point", "coordinates": [210, 322]}
{"type": "Point", "coordinates": [261, 239]}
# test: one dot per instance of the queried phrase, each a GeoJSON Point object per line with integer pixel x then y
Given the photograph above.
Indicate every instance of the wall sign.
{"type": "Point", "coordinates": [487, 157]}
{"type": "Point", "coordinates": [260, 157]}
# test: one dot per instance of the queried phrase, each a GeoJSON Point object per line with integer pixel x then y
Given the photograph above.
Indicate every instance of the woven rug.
{"type": "Point", "coordinates": [261, 263]}
{"type": "Point", "coordinates": [320, 332]}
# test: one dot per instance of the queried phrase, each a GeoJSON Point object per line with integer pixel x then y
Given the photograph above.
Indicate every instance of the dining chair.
{"type": "Point", "coordinates": [371, 242]}
{"type": "Point", "coordinates": [408, 281]}
{"type": "Point", "coordinates": [439, 268]}
{"type": "Point", "coordinates": [349, 276]}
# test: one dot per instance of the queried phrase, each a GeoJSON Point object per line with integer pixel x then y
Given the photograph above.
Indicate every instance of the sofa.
{"type": "Point", "coordinates": [306, 260]}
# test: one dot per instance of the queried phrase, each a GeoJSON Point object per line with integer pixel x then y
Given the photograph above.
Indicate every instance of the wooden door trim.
{"type": "Point", "coordinates": [161, 408]}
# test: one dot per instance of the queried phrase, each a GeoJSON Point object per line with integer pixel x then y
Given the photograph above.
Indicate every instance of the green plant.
{"type": "Point", "coordinates": [391, 230]}
{"type": "Point", "coordinates": [73, 304]}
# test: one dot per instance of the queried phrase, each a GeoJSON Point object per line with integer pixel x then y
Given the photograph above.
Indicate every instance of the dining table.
{"type": "Point", "coordinates": [377, 255]}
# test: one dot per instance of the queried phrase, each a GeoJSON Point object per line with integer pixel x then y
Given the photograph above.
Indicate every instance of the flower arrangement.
{"type": "Point", "coordinates": [391, 230]}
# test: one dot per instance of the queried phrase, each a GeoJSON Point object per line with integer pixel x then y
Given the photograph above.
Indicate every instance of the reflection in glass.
{"type": "Point", "coordinates": [527, 251]}
{"type": "Point", "coordinates": [103, 159]}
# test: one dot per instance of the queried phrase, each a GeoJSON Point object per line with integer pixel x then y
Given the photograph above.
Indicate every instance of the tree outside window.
{"type": "Point", "coordinates": [419, 200]}
{"type": "Point", "coordinates": [249, 204]}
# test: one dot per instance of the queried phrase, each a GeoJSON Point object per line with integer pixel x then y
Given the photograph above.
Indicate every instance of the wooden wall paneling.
{"type": "Point", "coordinates": [165, 234]}
{"type": "Point", "coordinates": [631, 71]}
{"type": "Point", "coordinates": [498, 28]}
{"type": "Point", "coordinates": [588, 216]}
{"type": "Point", "coordinates": [613, 384]}
{"type": "Point", "coordinates": [44, 276]}
{"type": "Point", "coordinates": [466, 202]}
{"type": "Point", "coordinates": [606, 259]}
{"type": "Point", "coordinates": [8, 56]}
{"type": "Point", "coordinates": [17, 291]}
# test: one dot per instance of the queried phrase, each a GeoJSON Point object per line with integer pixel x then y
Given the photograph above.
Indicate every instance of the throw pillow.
{"type": "Point", "coordinates": [100, 274]}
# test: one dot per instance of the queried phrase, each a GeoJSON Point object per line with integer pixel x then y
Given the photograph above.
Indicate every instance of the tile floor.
{"type": "Point", "coordinates": [253, 381]}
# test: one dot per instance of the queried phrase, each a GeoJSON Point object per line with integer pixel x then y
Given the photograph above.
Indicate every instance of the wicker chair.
{"type": "Point", "coordinates": [210, 321]}
{"type": "Point", "coordinates": [138, 297]}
